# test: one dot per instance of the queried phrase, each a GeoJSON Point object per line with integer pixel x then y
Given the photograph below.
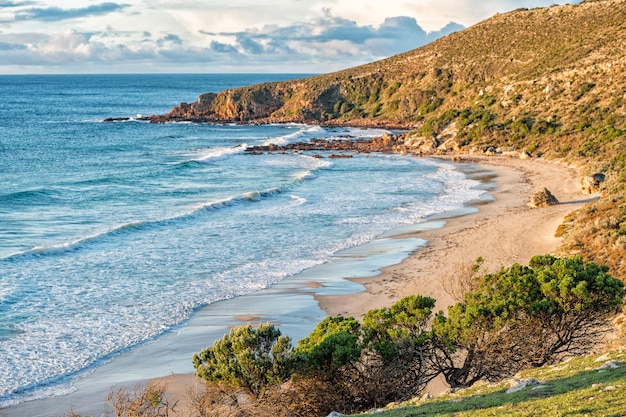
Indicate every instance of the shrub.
{"type": "Point", "coordinates": [397, 343]}
{"type": "Point", "coordinates": [249, 358]}
{"type": "Point", "coordinates": [525, 316]}
{"type": "Point", "coordinates": [333, 344]}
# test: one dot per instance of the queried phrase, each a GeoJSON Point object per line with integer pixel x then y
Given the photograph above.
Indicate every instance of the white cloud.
{"type": "Point", "coordinates": [239, 35]}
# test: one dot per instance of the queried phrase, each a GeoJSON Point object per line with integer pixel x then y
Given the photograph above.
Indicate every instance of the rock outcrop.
{"type": "Point", "coordinates": [543, 198]}
{"type": "Point", "coordinates": [592, 183]}
{"type": "Point", "coordinates": [245, 104]}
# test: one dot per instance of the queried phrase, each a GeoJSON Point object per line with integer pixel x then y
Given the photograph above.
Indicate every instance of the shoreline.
{"type": "Point", "coordinates": [299, 303]}
{"type": "Point", "coordinates": [508, 224]}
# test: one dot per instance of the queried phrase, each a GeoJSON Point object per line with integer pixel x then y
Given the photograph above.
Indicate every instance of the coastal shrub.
{"type": "Point", "coordinates": [399, 329]}
{"type": "Point", "coordinates": [524, 316]}
{"type": "Point", "coordinates": [249, 358]}
{"type": "Point", "coordinates": [139, 400]}
{"type": "Point", "coordinates": [146, 401]}
{"type": "Point", "coordinates": [396, 346]}
{"type": "Point", "coordinates": [373, 363]}
{"type": "Point", "coordinates": [583, 89]}
{"type": "Point", "coordinates": [334, 343]}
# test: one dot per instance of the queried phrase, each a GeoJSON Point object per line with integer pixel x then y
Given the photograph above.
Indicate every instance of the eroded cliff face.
{"type": "Point", "coordinates": [312, 100]}
{"type": "Point", "coordinates": [239, 105]}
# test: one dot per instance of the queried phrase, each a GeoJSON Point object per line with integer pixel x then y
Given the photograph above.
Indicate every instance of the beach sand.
{"type": "Point", "coordinates": [502, 232]}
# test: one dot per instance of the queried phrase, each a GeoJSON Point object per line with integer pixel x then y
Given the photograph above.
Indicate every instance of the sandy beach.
{"type": "Point", "coordinates": [502, 232]}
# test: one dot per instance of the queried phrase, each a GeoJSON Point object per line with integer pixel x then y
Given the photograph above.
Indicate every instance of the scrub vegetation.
{"type": "Point", "coordinates": [518, 318]}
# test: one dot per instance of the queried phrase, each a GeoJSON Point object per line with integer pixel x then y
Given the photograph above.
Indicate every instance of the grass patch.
{"type": "Point", "coordinates": [575, 388]}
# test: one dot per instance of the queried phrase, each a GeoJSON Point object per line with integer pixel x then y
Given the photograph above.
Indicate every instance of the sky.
{"type": "Point", "coordinates": [218, 36]}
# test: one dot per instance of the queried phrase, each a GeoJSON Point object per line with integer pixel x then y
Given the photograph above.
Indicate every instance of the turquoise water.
{"type": "Point", "coordinates": [113, 233]}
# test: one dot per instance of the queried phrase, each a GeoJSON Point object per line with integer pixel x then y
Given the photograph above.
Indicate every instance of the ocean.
{"type": "Point", "coordinates": [113, 234]}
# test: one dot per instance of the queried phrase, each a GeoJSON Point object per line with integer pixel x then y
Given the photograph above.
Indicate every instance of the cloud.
{"type": "Point", "coordinates": [54, 14]}
{"type": "Point", "coordinates": [222, 48]}
{"type": "Point", "coordinates": [329, 36]}
{"type": "Point", "coordinates": [319, 44]}
{"type": "Point", "coordinates": [12, 4]}
{"type": "Point", "coordinates": [249, 44]}
{"type": "Point", "coordinates": [8, 46]}
{"type": "Point", "coordinates": [169, 39]}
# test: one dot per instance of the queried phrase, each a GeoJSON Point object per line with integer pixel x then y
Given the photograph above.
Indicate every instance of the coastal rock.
{"type": "Point", "coordinates": [388, 143]}
{"type": "Point", "coordinates": [543, 198]}
{"type": "Point", "coordinates": [610, 365]}
{"type": "Point", "coordinates": [591, 184]}
{"type": "Point", "coordinates": [421, 144]}
{"type": "Point", "coordinates": [389, 138]}
{"type": "Point", "coordinates": [447, 139]}
{"type": "Point", "coordinates": [491, 150]}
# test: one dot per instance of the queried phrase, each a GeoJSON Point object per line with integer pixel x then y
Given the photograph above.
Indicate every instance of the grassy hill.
{"type": "Point", "coordinates": [547, 81]}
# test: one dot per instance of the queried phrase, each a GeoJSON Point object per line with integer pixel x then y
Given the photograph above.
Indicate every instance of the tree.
{"type": "Point", "coordinates": [401, 327]}
{"type": "Point", "coordinates": [577, 299]}
{"type": "Point", "coordinates": [524, 316]}
{"type": "Point", "coordinates": [397, 343]}
{"type": "Point", "coordinates": [249, 358]}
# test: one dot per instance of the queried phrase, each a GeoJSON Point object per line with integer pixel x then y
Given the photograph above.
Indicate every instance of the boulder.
{"type": "Point", "coordinates": [610, 365]}
{"type": "Point", "coordinates": [591, 184]}
{"type": "Point", "coordinates": [491, 150]}
{"type": "Point", "coordinates": [543, 198]}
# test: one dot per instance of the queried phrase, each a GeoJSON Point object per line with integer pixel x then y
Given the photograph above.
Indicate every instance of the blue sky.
{"type": "Point", "coordinates": [301, 36]}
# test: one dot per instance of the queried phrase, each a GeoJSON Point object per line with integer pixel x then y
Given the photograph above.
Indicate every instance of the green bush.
{"type": "Point", "coordinates": [249, 358]}
{"type": "Point", "coordinates": [334, 343]}
{"type": "Point", "coordinates": [524, 316]}
{"type": "Point", "coordinates": [400, 329]}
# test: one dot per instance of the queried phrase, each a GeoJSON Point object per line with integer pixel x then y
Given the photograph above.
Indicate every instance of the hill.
{"type": "Point", "coordinates": [548, 81]}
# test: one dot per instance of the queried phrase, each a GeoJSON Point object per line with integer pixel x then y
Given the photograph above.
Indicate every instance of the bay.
{"type": "Point", "coordinates": [112, 234]}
